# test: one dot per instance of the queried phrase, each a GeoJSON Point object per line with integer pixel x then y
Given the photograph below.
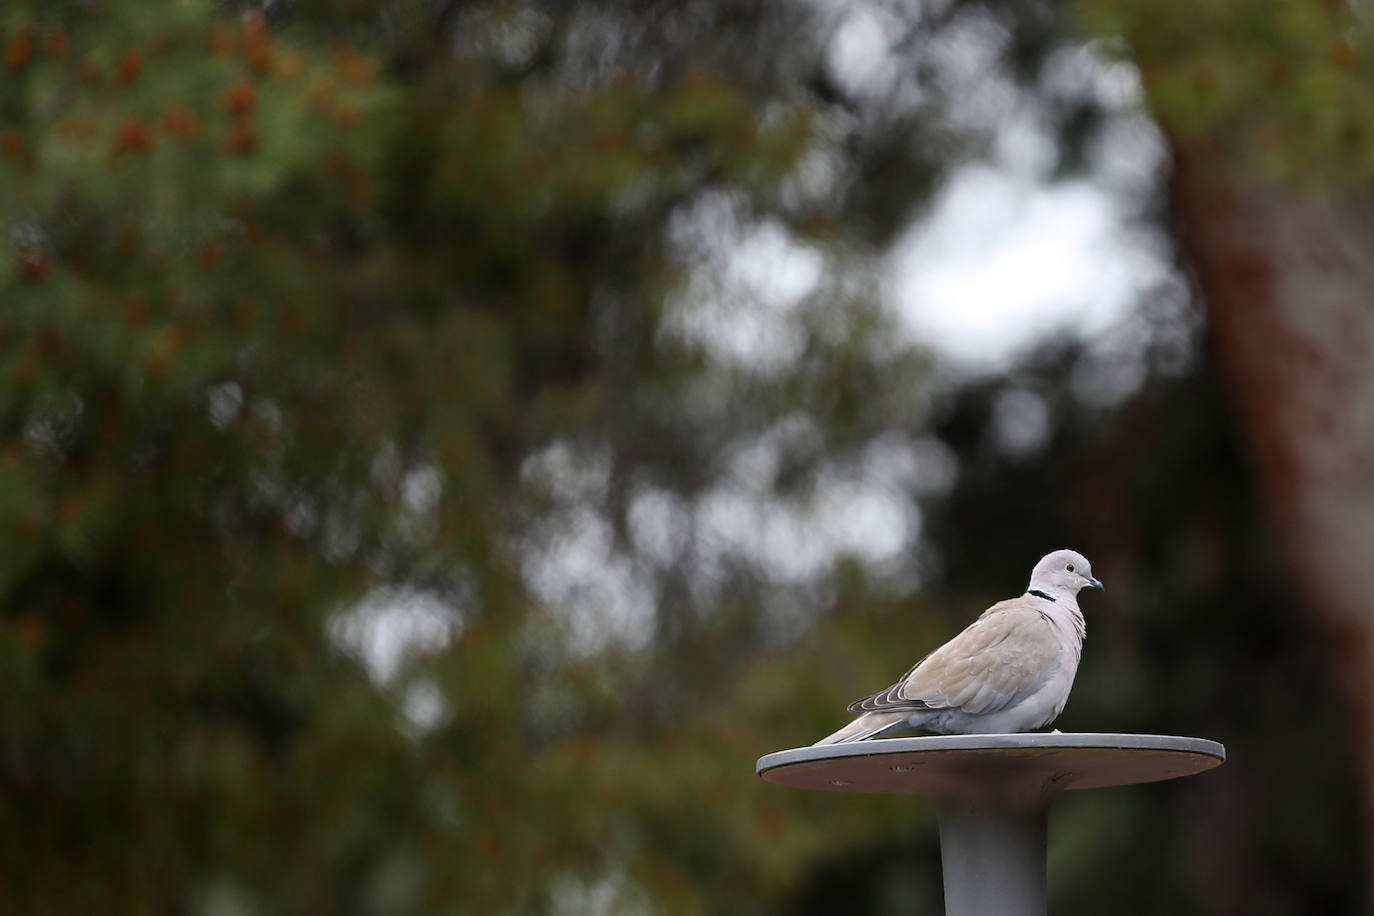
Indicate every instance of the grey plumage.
{"type": "Point", "coordinates": [1010, 671]}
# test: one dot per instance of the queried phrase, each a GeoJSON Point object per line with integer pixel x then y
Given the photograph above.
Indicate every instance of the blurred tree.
{"type": "Point", "coordinates": [418, 497]}
{"type": "Point", "coordinates": [1268, 110]}
{"type": "Point", "coordinates": [310, 318]}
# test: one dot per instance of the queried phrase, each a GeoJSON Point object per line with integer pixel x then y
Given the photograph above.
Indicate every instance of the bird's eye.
{"type": "Point", "coordinates": [1069, 568]}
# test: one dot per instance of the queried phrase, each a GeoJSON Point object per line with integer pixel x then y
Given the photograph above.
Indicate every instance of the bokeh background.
{"type": "Point", "coordinates": [445, 443]}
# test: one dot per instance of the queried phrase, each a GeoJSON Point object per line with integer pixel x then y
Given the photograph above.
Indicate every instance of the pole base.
{"type": "Point", "coordinates": [993, 861]}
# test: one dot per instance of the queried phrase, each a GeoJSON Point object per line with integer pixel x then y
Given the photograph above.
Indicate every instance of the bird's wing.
{"type": "Point", "coordinates": [1008, 652]}
{"type": "Point", "coordinates": [891, 698]}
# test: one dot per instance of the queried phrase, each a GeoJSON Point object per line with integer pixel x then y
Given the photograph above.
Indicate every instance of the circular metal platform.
{"type": "Point", "coordinates": [992, 795]}
{"type": "Point", "coordinates": [994, 768]}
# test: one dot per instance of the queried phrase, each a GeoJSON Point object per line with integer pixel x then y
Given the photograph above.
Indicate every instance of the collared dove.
{"type": "Point", "coordinates": [1009, 671]}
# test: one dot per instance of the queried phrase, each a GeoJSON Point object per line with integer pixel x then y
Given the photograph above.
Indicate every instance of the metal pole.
{"type": "Point", "coordinates": [993, 859]}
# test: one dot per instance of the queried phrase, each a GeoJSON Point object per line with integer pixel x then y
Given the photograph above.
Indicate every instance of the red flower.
{"type": "Point", "coordinates": [129, 67]}
{"type": "Point", "coordinates": [133, 136]}
{"type": "Point", "coordinates": [239, 98]}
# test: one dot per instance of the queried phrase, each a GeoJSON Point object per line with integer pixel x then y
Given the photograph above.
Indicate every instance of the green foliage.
{"type": "Point", "coordinates": [1281, 87]}
{"type": "Point", "coordinates": [265, 285]}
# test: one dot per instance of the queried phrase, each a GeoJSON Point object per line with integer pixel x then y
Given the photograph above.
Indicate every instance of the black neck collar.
{"type": "Point", "coordinates": [1039, 594]}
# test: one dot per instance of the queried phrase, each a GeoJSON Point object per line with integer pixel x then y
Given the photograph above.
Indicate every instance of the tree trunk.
{"type": "Point", "coordinates": [1288, 280]}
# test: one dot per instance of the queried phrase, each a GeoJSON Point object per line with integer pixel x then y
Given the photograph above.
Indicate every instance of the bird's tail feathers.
{"type": "Point", "coordinates": [868, 725]}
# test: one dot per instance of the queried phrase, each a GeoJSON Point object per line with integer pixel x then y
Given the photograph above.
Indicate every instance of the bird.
{"type": "Point", "coordinates": [1009, 671]}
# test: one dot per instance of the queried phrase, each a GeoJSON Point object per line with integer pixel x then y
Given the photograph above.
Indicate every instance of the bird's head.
{"type": "Point", "coordinates": [1063, 572]}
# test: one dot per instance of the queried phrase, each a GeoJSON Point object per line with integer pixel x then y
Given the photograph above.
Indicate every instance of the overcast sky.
{"type": "Point", "coordinates": [1006, 255]}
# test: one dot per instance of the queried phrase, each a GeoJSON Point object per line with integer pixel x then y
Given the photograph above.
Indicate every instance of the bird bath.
{"type": "Point", "coordinates": [992, 795]}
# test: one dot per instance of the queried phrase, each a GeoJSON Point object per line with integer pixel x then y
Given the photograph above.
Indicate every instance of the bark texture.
{"type": "Point", "coordinates": [1289, 283]}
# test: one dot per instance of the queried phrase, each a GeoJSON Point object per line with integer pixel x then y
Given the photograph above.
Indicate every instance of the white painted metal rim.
{"type": "Point", "coordinates": [879, 746]}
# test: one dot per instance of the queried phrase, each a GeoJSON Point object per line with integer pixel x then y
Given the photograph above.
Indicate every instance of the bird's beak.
{"type": "Point", "coordinates": [1097, 585]}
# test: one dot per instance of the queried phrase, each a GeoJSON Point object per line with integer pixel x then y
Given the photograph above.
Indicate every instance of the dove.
{"type": "Point", "coordinates": [1010, 671]}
